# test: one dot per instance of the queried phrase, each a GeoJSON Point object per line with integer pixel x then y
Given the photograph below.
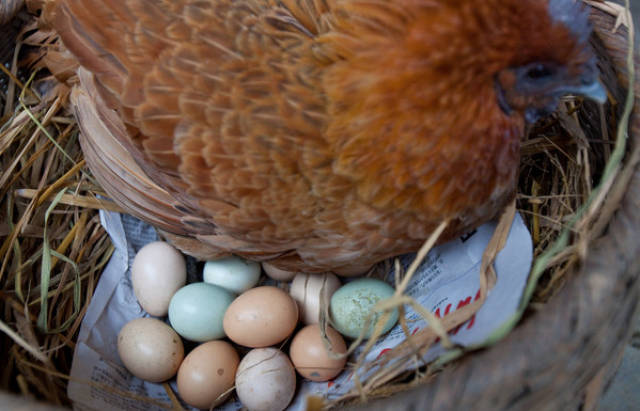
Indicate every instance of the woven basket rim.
{"type": "Point", "coordinates": [539, 366]}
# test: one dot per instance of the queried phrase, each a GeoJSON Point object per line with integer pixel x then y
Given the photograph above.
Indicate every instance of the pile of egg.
{"type": "Point", "coordinates": [226, 314]}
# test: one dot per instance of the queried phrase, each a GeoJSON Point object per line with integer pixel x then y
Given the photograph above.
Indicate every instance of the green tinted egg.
{"type": "Point", "coordinates": [351, 304]}
{"type": "Point", "coordinates": [196, 311]}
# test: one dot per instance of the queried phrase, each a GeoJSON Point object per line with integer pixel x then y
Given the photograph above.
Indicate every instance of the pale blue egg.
{"type": "Point", "coordinates": [232, 273]}
{"type": "Point", "coordinates": [196, 311]}
{"type": "Point", "coordinates": [353, 302]}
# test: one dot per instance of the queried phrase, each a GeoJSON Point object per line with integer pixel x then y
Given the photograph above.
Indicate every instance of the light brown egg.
{"type": "Point", "coordinates": [206, 373]}
{"type": "Point", "coordinates": [261, 317]}
{"type": "Point", "coordinates": [150, 349]}
{"type": "Point", "coordinates": [311, 358]}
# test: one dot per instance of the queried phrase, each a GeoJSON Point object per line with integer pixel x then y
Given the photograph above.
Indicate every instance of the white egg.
{"type": "Point", "coordinates": [311, 291]}
{"type": "Point", "coordinates": [277, 274]}
{"type": "Point", "coordinates": [232, 273]}
{"type": "Point", "coordinates": [158, 271]}
{"type": "Point", "coordinates": [265, 380]}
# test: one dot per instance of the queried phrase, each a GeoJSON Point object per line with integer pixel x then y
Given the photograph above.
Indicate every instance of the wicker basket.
{"type": "Point", "coordinates": [563, 355]}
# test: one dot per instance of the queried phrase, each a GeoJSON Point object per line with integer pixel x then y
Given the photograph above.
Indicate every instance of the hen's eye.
{"type": "Point", "coordinates": [539, 71]}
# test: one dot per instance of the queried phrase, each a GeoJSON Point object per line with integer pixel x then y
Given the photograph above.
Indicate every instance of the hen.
{"type": "Point", "coordinates": [318, 135]}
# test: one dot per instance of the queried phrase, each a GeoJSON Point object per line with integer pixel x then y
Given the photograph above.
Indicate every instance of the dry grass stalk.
{"type": "Point", "coordinates": [43, 159]}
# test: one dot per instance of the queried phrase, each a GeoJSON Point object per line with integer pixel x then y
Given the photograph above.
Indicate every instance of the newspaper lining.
{"type": "Point", "coordinates": [447, 279]}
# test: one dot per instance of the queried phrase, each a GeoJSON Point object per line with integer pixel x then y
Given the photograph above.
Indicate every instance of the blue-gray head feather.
{"type": "Point", "coordinates": [574, 15]}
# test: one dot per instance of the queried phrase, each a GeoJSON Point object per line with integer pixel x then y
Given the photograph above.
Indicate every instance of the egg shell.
{"type": "Point", "coordinates": [309, 290]}
{"type": "Point", "coordinates": [353, 302]}
{"type": "Point", "coordinates": [265, 380]}
{"type": "Point", "coordinates": [232, 273]}
{"type": "Point", "coordinates": [196, 311]}
{"type": "Point", "coordinates": [150, 349]}
{"type": "Point", "coordinates": [157, 272]}
{"type": "Point", "coordinates": [277, 274]}
{"type": "Point", "coordinates": [352, 271]}
{"type": "Point", "coordinates": [261, 317]}
{"type": "Point", "coordinates": [311, 358]}
{"type": "Point", "coordinates": [208, 372]}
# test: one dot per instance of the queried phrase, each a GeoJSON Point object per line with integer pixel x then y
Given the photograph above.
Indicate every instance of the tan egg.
{"type": "Point", "coordinates": [277, 274]}
{"type": "Point", "coordinates": [157, 272]}
{"type": "Point", "coordinates": [311, 358]}
{"type": "Point", "coordinates": [312, 290]}
{"type": "Point", "coordinates": [208, 372]}
{"type": "Point", "coordinates": [261, 317]}
{"type": "Point", "coordinates": [150, 349]}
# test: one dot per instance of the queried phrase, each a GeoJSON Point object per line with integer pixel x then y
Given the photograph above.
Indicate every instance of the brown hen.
{"type": "Point", "coordinates": [316, 134]}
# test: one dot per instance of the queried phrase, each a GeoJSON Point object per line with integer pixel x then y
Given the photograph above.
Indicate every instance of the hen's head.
{"type": "Point", "coordinates": [528, 52]}
{"type": "Point", "coordinates": [532, 51]}
{"type": "Point", "coordinates": [427, 92]}
{"type": "Point", "coordinates": [554, 59]}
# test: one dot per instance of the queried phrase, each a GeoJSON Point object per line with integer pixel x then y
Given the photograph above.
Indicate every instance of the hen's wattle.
{"type": "Point", "coordinates": [318, 135]}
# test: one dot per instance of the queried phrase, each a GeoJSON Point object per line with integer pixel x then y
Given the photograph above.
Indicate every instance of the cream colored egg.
{"type": "Point", "coordinates": [261, 317]}
{"type": "Point", "coordinates": [265, 380]}
{"type": "Point", "coordinates": [277, 274]}
{"type": "Point", "coordinates": [310, 356]}
{"type": "Point", "coordinates": [207, 374]}
{"type": "Point", "coordinates": [150, 349]}
{"type": "Point", "coordinates": [311, 291]}
{"type": "Point", "coordinates": [158, 271]}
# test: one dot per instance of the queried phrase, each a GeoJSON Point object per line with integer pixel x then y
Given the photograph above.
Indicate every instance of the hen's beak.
{"type": "Point", "coordinates": [593, 90]}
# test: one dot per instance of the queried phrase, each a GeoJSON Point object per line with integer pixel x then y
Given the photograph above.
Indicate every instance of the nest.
{"type": "Point", "coordinates": [576, 186]}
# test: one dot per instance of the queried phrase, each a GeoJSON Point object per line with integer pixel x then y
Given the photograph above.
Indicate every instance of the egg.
{"type": "Point", "coordinates": [311, 358]}
{"type": "Point", "coordinates": [353, 302]}
{"type": "Point", "coordinates": [277, 274]}
{"type": "Point", "coordinates": [232, 273]}
{"type": "Point", "coordinates": [312, 290]}
{"type": "Point", "coordinates": [157, 272]}
{"type": "Point", "coordinates": [196, 311]}
{"type": "Point", "coordinates": [265, 380]}
{"type": "Point", "coordinates": [150, 349]}
{"type": "Point", "coordinates": [207, 373]}
{"type": "Point", "coordinates": [261, 317]}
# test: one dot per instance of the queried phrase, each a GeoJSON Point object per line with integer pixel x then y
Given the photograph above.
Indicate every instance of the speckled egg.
{"type": "Point", "coordinates": [196, 311]}
{"type": "Point", "coordinates": [207, 373]}
{"type": "Point", "coordinates": [310, 356]}
{"type": "Point", "coordinates": [150, 349]}
{"type": "Point", "coordinates": [353, 302]}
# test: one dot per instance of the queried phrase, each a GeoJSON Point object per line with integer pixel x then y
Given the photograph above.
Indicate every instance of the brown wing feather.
{"type": "Point", "coordinates": [236, 111]}
{"type": "Point", "coordinates": [201, 117]}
